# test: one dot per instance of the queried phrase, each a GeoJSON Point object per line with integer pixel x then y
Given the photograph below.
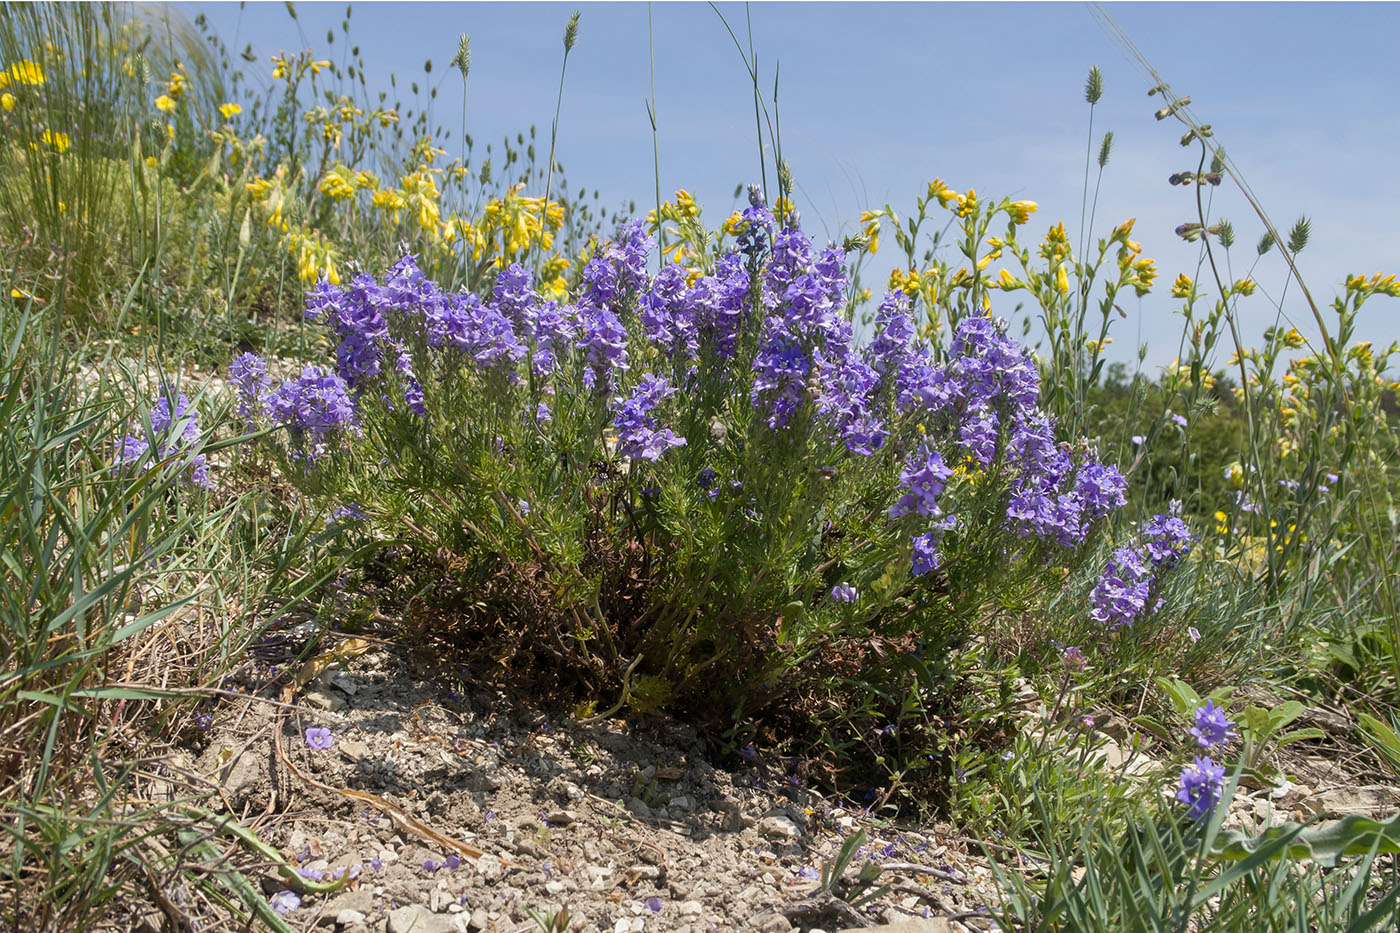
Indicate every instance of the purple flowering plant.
{"type": "Point", "coordinates": [714, 437]}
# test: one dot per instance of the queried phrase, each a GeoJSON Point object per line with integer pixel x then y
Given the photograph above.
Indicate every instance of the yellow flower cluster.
{"type": "Point", "coordinates": [316, 257]}
{"type": "Point", "coordinates": [173, 89]}
{"type": "Point", "coordinates": [20, 73]}
{"type": "Point", "coordinates": [519, 222]}
{"type": "Point", "coordinates": [293, 67]}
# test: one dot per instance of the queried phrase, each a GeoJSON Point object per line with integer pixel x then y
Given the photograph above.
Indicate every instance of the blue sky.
{"type": "Point", "coordinates": [877, 99]}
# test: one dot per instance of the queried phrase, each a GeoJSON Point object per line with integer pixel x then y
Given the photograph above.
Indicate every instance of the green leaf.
{"type": "Point", "coordinates": [1183, 696]}
{"type": "Point", "coordinates": [1152, 727]}
{"type": "Point", "coordinates": [1354, 835]}
{"type": "Point", "coordinates": [1381, 737]}
{"type": "Point", "coordinates": [1298, 735]}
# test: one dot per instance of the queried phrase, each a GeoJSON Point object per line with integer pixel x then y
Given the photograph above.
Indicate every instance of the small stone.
{"type": "Point", "coordinates": [349, 917]}
{"type": "Point", "coordinates": [561, 817]}
{"type": "Point", "coordinates": [351, 750]}
{"type": "Point", "coordinates": [912, 925]}
{"type": "Point", "coordinates": [690, 908]}
{"type": "Point", "coordinates": [682, 804]}
{"type": "Point", "coordinates": [638, 808]}
{"type": "Point", "coordinates": [415, 918]}
{"type": "Point", "coordinates": [770, 921]}
{"type": "Point", "coordinates": [323, 700]}
{"type": "Point", "coordinates": [490, 867]}
{"type": "Point", "coordinates": [779, 827]}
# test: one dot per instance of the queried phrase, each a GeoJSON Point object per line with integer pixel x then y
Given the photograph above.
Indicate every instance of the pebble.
{"type": "Point", "coordinates": [779, 827]}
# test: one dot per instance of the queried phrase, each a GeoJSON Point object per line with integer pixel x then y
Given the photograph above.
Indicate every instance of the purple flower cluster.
{"type": "Point", "coordinates": [251, 383]}
{"type": "Point", "coordinates": [1166, 540]}
{"type": "Point", "coordinates": [924, 477]}
{"type": "Point", "coordinates": [638, 436]}
{"type": "Point", "coordinates": [135, 448]}
{"type": "Point", "coordinates": [1201, 787]}
{"type": "Point", "coordinates": [804, 334]}
{"type": "Point", "coordinates": [314, 407]}
{"type": "Point", "coordinates": [1212, 728]}
{"type": "Point", "coordinates": [620, 270]}
{"type": "Point", "coordinates": [1125, 589]}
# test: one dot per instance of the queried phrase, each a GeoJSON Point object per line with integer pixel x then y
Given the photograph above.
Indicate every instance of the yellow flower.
{"type": "Point", "coordinates": [733, 224]}
{"type": "Point", "coordinates": [967, 203]}
{"type": "Point", "coordinates": [58, 140]}
{"type": "Point", "coordinates": [164, 103]}
{"type": "Point", "coordinates": [940, 190]}
{"type": "Point", "coordinates": [1061, 279]}
{"type": "Point", "coordinates": [1125, 229]}
{"type": "Point", "coordinates": [1182, 287]}
{"type": "Point", "coordinates": [1008, 281]}
{"type": "Point", "coordinates": [26, 73]}
{"type": "Point", "coordinates": [685, 203]}
{"type": "Point", "coordinates": [871, 219]}
{"type": "Point", "coordinates": [1021, 211]}
{"type": "Point", "coordinates": [230, 110]}
{"type": "Point", "coordinates": [7, 100]}
{"type": "Point", "coordinates": [337, 183]}
{"type": "Point", "coordinates": [1293, 339]}
{"type": "Point", "coordinates": [150, 161]}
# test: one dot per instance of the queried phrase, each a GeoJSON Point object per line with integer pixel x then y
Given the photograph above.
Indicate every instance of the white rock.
{"type": "Point", "coordinates": [779, 827]}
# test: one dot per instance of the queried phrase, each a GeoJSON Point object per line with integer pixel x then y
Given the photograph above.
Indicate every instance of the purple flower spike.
{"type": "Point", "coordinates": [319, 738]}
{"type": "Point", "coordinates": [1212, 728]}
{"type": "Point", "coordinates": [1202, 785]}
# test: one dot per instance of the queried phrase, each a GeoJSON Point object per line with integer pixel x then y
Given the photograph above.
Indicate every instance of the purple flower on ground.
{"type": "Point", "coordinates": [319, 738]}
{"type": "Point", "coordinates": [844, 593]}
{"type": "Point", "coordinates": [1212, 728]}
{"type": "Point", "coordinates": [452, 862]}
{"type": "Point", "coordinates": [1202, 785]}
{"type": "Point", "coordinates": [284, 901]}
{"type": "Point", "coordinates": [653, 904]}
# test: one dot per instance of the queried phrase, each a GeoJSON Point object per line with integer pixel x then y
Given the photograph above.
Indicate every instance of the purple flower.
{"type": "Point", "coordinates": [319, 738]}
{"type": "Point", "coordinates": [248, 375]}
{"type": "Point", "coordinates": [844, 593]}
{"type": "Point", "coordinates": [653, 904]}
{"type": "Point", "coordinates": [1166, 539]}
{"type": "Point", "coordinates": [780, 369]}
{"type": "Point", "coordinates": [603, 340]}
{"type": "Point", "coordinates": [284, 901]}
{"type": "Point", "coordinates": [132, 450]}
{"type": "Point", "coordinates": [1212, 728]}
{"type": "Point", "coordinates": [314, 407]}
{"type": "Point", "coordinates": [926, 556]}
{"type": "Point", "coordinates": [638, 436]}
{"type": "Point", "coordinates": [452, 862]}
{"type": "Point", "coordinates": [923, 476]}
{"type": "Point", "coordinates": [1123, 589]}
{"type": "Point", "coordinates": [1074, 658]}
{"type": "Point", "coordinates": [1202, 785]}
